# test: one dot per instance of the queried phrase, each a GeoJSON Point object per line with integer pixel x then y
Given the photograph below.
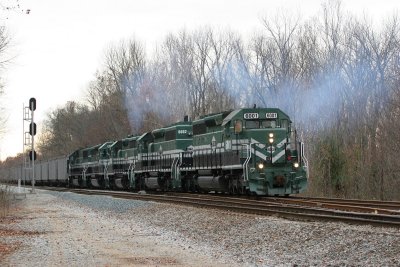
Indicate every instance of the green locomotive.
{"type": "Point", "coordinates": [243, 151]}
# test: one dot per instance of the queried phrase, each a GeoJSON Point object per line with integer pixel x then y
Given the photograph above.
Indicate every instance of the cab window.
{"type": "Point", "coordinates": [268, 124]}
{"type": "Point", "coordinates": [252, 124]}
{"type": "Point", "coordinates": [284, 124]}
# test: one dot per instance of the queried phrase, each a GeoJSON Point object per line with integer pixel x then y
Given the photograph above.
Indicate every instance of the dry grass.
{"type": "Point", "coordinates": [4, 201]}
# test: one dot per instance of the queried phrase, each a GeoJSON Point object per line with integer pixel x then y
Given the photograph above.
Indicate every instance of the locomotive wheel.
{"type": "Point", "coordinates": [240, 190]}
{"type": "Point", "coordinates": [231, 189]}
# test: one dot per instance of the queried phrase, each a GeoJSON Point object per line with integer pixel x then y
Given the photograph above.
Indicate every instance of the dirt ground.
{"type": "Point", "coordinates": [42, 230]}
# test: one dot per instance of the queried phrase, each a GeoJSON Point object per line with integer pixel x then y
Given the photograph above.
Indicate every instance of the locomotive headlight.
{"type": "Point", "coordinates": [260, 166]}
{"type": "Point", "coordinates": [271, 140]}
{"type": "Point", "coordinates": [296, 165]}
{"type": "Point", "coordinates": [271, 135]}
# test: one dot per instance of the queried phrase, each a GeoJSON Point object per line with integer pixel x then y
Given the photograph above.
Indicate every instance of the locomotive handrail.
{"type": "Point", "coordinates": [303, 156]}
{"type": "Point", "coordinates": [174, 168]}
{"type": "Point", "coordinates": [85, 167]}
{"type": "Point", "coordinates": [131, 168]}
{"type": "Point", "coordinates": [246, 162]}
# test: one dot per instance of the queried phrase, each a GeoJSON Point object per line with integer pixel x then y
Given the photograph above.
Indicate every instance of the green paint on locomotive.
{"type": "Point", "coordinates": [123, 158]}
{"type": "Point", "coordinates": [159, 154]}
{"type": "Point", "coordinates": [207, 131]}
{"type": "Point", "coordinates": [245, 155]}
{"type": "Point", "coordinates": [270, 168]}
{"type": "Point", "coordinates": [172, 139]}
{"type": "Point", "coordinates": [84, 165]}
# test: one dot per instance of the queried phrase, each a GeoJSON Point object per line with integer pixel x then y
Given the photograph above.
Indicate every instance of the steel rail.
{"type": "Point", "coordinates": [369, 203]}
{"type": "Point", "coordinates": [345, 206]}
{"type": "Point", "coordinates": [256, 207]}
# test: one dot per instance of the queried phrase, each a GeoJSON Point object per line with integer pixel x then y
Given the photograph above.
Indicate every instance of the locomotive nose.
{"type": "Point", "coordinates": [279, 181]}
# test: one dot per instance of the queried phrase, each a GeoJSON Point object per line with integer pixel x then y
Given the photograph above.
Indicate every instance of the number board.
{"type": "Point", "coordinates": [271, 115]}
{"type": "Point", "coordinates": [250, 116]}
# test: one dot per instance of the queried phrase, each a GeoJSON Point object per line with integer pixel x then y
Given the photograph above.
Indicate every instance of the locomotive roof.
{"type": "Point", "coordinates": [237, 111]}
{"type": "Point", "coordinates": [162, 130]}
{"type": "Point", "coordinates": [215, 116]}
{"type": "Point", "coordinates": [106, 145]}
{"type": "Point", "coordinates": [92, 147]}
{"type": "Point", "coordinates": [131, 137]}
{"type": "Point", "coordinates": [146, 134]}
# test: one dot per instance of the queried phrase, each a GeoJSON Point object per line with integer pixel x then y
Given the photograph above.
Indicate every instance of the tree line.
{"type": "Point", "coordinates": [335, 75]}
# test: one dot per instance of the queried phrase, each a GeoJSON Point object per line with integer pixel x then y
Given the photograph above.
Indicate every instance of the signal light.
{"type": "Point", "coordinates": [32, 104]}
{"type": "Point", "coordinates": [32, 156]}
{"type": "Point", "coordinates": [32, 129]}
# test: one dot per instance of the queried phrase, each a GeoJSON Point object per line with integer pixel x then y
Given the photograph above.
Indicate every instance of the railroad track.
{"type": "Point", "coordinates": [345, 205]}
{"type": "Point", "coordinates": [282, 207]}
{"type": "Point", "coordinates": [351, 205]}
{"type": "Point", "coordinates": [393, 205]}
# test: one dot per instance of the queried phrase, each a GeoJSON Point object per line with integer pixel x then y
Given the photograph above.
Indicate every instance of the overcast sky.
{"type": "Point", "coordinates": [59, 45]}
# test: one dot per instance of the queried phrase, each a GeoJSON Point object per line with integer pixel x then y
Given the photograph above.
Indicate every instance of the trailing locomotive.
{"type": "Point", "coordinates": [248, 150]}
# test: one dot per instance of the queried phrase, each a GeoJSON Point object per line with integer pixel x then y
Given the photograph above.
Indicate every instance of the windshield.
{"type": "Point", "coordinates": [252, 124]}
{"type": "Point", "coordinates": [268, 124]}
{"type": "Point", "coordinates": [255, 124]}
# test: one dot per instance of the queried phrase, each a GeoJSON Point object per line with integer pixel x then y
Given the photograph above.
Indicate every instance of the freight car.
{"type": "Point", "coordinates": [243, 151]}
{"type": "Point", "coordinates": [53, 172]}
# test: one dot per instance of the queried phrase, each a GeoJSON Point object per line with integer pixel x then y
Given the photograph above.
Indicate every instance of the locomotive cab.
{"type": "Point", "coordinates": [123, 159]}
{"type": "Point", "coordinates": [273, 161]}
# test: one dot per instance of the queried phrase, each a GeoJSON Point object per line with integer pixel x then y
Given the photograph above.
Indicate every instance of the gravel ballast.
{"type": "Point", "coordinates": [66, 229]}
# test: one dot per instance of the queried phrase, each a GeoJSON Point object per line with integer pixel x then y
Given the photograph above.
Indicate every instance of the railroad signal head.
{"type": "Point", "coordinates": [32, 156]}
{"type": "Point", "coordinates": [32, 104]}
{"type": "Point", "coordinates": [32, 128]}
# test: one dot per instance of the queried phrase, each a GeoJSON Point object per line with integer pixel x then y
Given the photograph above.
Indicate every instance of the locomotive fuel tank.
{"type": "Point", "coordinates": [94, 182]}
{"type": "Point", "coordinates": [75, 182]}
{"type": "Point", "coordinates": [213, 183]}
{"type": "Point", "coordinates": [118, 183]}
{"type": "Point", "coordinates": [151, 183]}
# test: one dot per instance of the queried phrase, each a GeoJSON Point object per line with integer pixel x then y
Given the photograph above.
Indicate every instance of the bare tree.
{"type": "Point", "coordinates": [126, 64]}
{"type": "Point", "coordinates": [126, 67]}
{"type": "Point", "coordinates": [4, 43]}
{"type": "Point", "coordinates": [273, 69]}
{"type": "Point", "coordinates": [109, 105]}
{"type": "Point", "coordinates": [65, 130]}
{"type": "Point", "coordinates": [175, 62]}
{"type": "Point", "coordinates": [202, 69]}
{"type": "Point", "coordinates": [225, 88]}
